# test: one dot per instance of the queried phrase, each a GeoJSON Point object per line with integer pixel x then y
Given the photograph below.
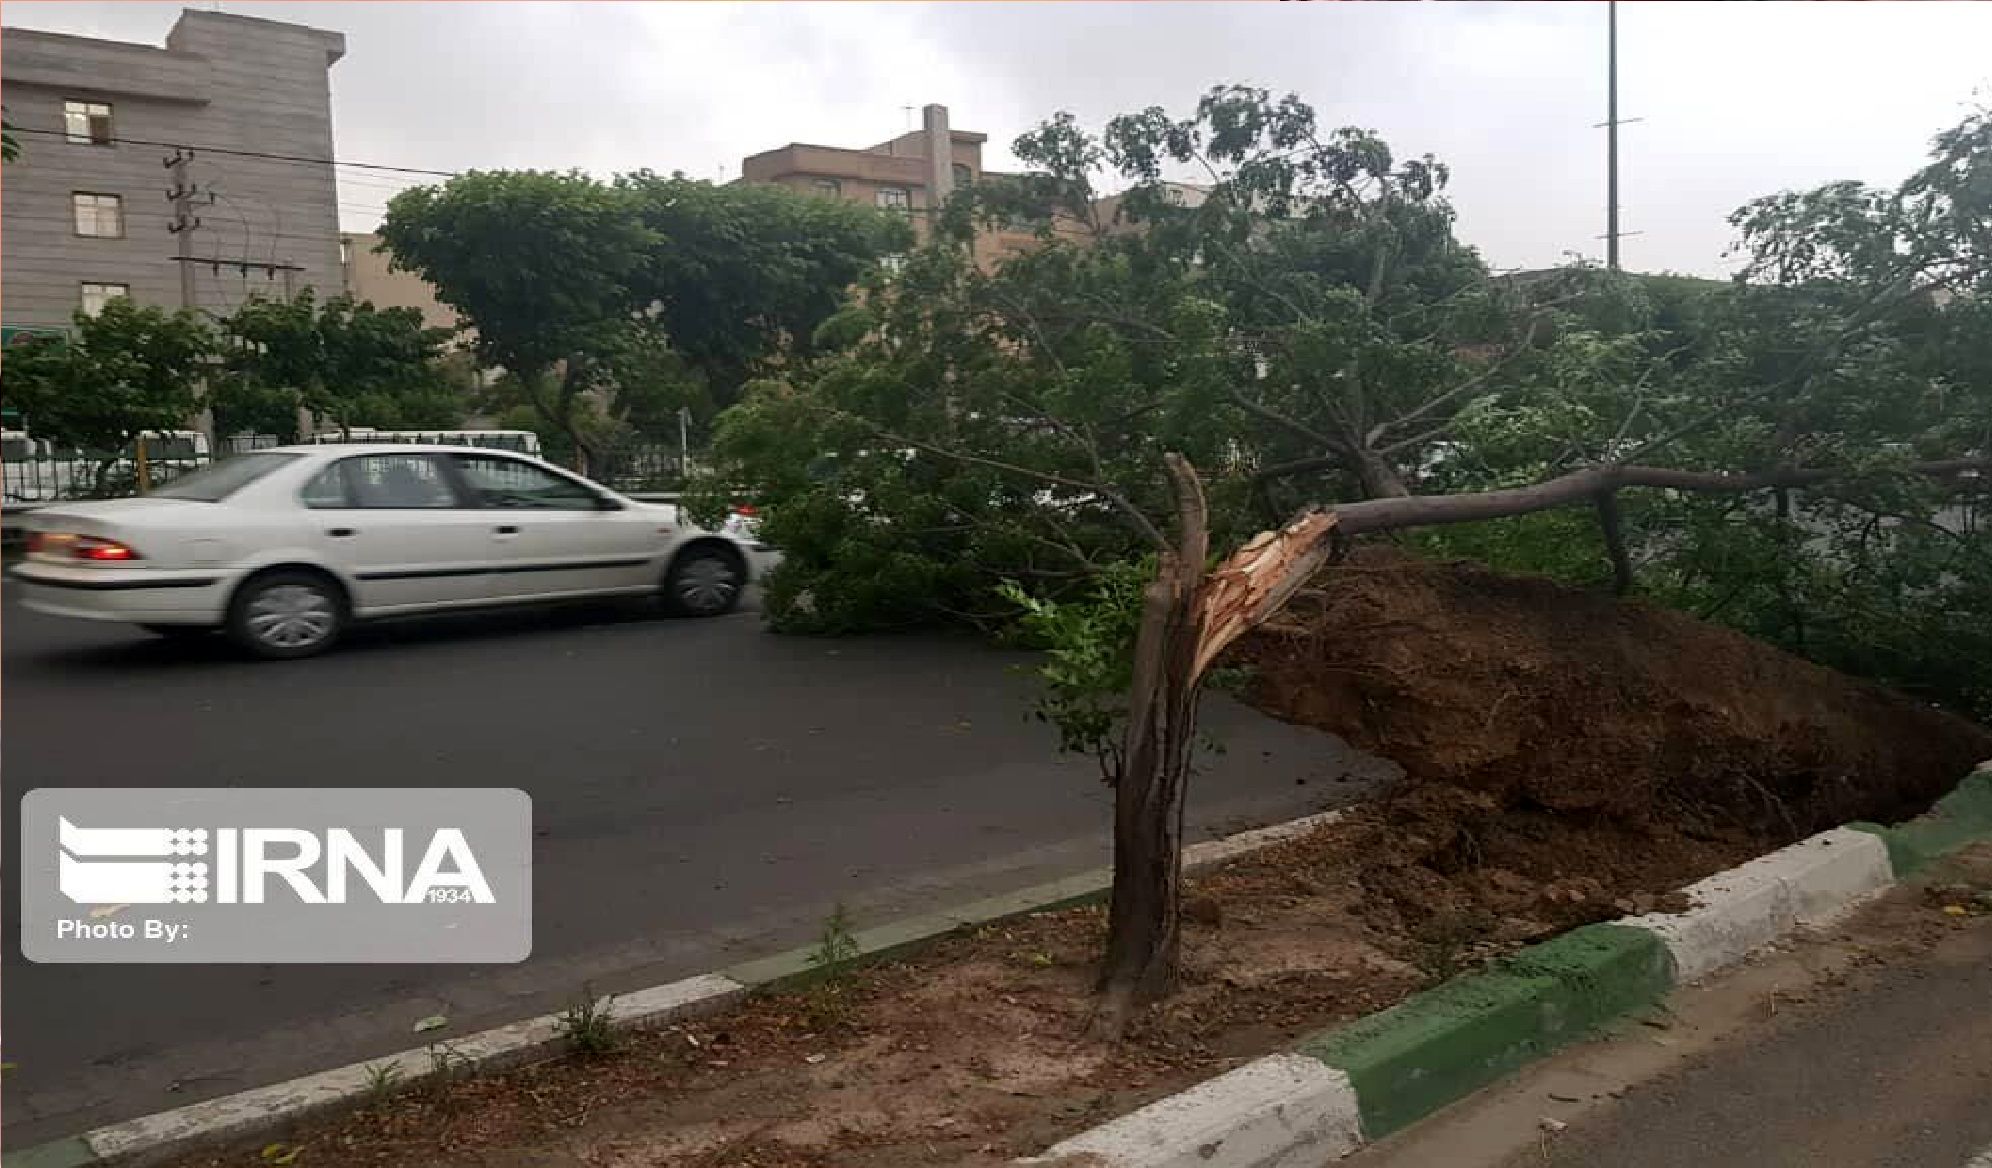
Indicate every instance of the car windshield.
{"type": "Point", "coordinates": [214, 483]}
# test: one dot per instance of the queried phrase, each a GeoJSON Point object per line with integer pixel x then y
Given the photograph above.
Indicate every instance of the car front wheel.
{"type": "Point", "coordinates": [287, 614]}
{"type": "Point", "coordinates": [704, 581]}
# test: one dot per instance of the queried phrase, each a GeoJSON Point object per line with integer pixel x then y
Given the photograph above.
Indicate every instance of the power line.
{"type": "Point", "coordinates": [250, 153]}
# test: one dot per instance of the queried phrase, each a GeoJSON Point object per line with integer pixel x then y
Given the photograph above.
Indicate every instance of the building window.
{"type": "Point", "coordinates": [95, 296]}
{"type": "Point", "coordinates": [98, 216]}
{"type": "Point", "coordinates": [963, 176]}
{"type": "Point", "coordinates": [895, 199]}
{"type": "Point", "coordinates": [87, 123]}
{"type": "Point", "coordinates": [828, 188]}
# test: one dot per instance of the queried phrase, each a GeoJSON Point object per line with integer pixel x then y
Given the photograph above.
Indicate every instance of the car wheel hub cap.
{"type": "Point", "coordinates": [707, 584]}
{"type": "Point", "coordinates": [291, 615]}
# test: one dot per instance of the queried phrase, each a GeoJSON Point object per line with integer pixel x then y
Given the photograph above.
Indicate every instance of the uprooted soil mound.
{"type": "Point", "coordinates": [1577, 754]}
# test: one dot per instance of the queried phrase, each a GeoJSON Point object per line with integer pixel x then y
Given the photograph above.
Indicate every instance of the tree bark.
{"type": "Point", "coordinates": [1579, 486]}
{"type": "Point", "coordinates": [1379, 479]}
{"type": "Point", "coordinates": [1612, 525]}
{"type": "Point", "coordinates": [1145, 914]}
{"type": "Point", "coordinates": [1187, 620]}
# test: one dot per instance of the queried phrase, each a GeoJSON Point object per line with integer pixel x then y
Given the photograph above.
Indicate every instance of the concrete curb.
{"type": "Point", "coordinates": [1282, 1110]}
{"type": "Point", "coordinates": [150, 1139]}
{"type": "Point", "coordinates": [1438, 1046]}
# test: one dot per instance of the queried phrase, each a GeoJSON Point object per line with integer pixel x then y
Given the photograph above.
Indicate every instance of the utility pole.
{"type": "Point", "coordinates": [1612, 135]}
{"type": "Point", "coordinates": [182, 228]}
{"type": "Point", "coordinates": [185, 222]}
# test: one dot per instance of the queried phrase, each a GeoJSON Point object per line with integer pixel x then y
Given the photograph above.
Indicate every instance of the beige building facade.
{"type": "Point", "coordinates": [912, 174]}
{"type": "Point", "coordinates": [370, 277]}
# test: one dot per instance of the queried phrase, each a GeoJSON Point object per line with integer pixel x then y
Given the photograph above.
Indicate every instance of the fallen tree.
{"type": "Point", "coordinates": [1807, 448]}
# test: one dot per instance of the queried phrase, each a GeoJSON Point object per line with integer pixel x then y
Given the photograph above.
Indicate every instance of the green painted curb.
{"type": "Point", "coordinates": [1957, 819]}
{"type": "Point", "coordinates": [1421, 1054]}
{"type": "Point", "coordinates": [69, 1153]}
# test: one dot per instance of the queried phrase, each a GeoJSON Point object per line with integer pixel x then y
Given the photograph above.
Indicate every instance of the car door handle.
{"type": "Point", "coordinates": [506, 529]}
{"type": "Point", "coordinates": [340, 532]}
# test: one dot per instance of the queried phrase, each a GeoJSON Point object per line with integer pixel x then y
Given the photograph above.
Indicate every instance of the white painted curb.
{"type": "Point", "coordinates": [1754, 904]}
{"type": "Point", "coordinates": [1281, 1111]}
{"type": "Point", "coordinates": [166, 1133]}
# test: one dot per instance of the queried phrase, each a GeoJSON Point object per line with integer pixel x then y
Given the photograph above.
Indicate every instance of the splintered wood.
{"type": "Point", "coordinates": [1258, 580]}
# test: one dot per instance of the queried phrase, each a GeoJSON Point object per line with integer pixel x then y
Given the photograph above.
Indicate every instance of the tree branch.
{"type": "Point", "coordinates": [1467, 386]}
{"type": "Point", "coordinates": [1269, 414]}
{"type": "Point", "coordinates": [1578, 486]}
{"type": "Point", "coordinates": [1140, 521]}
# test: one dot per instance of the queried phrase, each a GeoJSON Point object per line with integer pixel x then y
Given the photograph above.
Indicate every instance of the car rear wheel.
{"type": "Point", "coordinates": [287, 614]}
{"type": "Point", "coordinates": [704, 581]}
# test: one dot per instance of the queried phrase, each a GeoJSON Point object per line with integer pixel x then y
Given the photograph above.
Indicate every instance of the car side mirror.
{"type": "Point", "coordinates": [605, 503]}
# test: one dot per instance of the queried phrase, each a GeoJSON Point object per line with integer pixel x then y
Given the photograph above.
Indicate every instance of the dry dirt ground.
{"type": "Point", "coordinates": [1569, 758]}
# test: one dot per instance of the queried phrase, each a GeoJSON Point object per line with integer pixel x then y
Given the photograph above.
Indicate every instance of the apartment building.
{"type": "Point", "coordinates": [913, 173]}
{"type": "Point", "coordinates": [94, 207]}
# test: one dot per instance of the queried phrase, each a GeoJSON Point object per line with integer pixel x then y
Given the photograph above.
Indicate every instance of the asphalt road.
{"type": "Point", "coordinates": [1896, 1075]}
{"type": "Point", "coordinates": [704, 792]}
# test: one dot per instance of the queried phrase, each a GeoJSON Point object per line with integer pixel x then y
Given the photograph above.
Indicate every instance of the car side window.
{"type": "Point", "coordinates": [398, 482]}
{"type": "Point", "coordinates": [506, 482]}
{"type": "Point", "coordinates": [327, 489]}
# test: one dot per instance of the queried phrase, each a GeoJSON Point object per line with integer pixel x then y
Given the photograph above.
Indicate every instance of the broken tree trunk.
{"type": "Point", "coordinates": [1187, 619]}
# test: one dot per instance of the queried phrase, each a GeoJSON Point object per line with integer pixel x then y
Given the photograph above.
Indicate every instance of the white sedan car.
{"type": "Point", "coordinates": [283, 548]}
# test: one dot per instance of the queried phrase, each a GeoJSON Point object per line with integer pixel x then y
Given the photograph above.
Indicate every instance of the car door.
{"type": "Point", "coordinates": [560, 534]}
{"type": "Point", "coordinates": [402, 531]}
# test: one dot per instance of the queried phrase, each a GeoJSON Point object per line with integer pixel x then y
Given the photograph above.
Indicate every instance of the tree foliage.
{"type": "Point", "coordinates": [1791, 452]}
{"type": "Point", "coordinates": [349, 364]}
{"type": "Point", "coordinates": [612, 304]}
{"type": "Point", "coordinates": [130, 369]}
{"type": "Point", "coordinates": [137, 368]}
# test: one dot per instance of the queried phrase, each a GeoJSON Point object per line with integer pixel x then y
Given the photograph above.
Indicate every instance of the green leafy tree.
{"type": "Point", "coordinates": [128, 370]}
{"type": "Point", "coordinates": [1304, 326]}
{"type": "Point", "coordinates": [613, 304]}
{"type": "Point", "coordinates": [742, 275]}
{"type": "Point", "coordinates": [346, 362]}
{"type": "Point", "coordinates": [542, 266]}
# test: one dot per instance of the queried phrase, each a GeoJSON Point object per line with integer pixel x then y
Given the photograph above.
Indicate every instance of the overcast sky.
{"type": "Point", "coordinates": [1737, 99]}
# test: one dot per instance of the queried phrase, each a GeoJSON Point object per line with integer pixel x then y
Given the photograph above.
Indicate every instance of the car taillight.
{"type": "Point", "coordinates": [89, 547]}
{"type": "Point", "coordinates": [36, 541]}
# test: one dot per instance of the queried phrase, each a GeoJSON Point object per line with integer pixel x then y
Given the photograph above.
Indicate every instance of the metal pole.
{"type": "Point", "coordinates": [1612, 136]}
{"type": "Point", "coordinates": [684, 444]}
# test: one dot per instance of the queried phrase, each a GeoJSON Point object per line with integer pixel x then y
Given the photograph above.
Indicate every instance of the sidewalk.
{"type": "Point", "coordinates": [1868, 1047]}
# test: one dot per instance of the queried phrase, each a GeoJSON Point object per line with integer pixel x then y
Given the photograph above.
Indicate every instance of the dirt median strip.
{"type": "Point", "coordinates": [1441, 1045]}
{"type": "Point", "coordinates": [949, 1039]}
{"type": "Point", "coordinates": [159, 1137]}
